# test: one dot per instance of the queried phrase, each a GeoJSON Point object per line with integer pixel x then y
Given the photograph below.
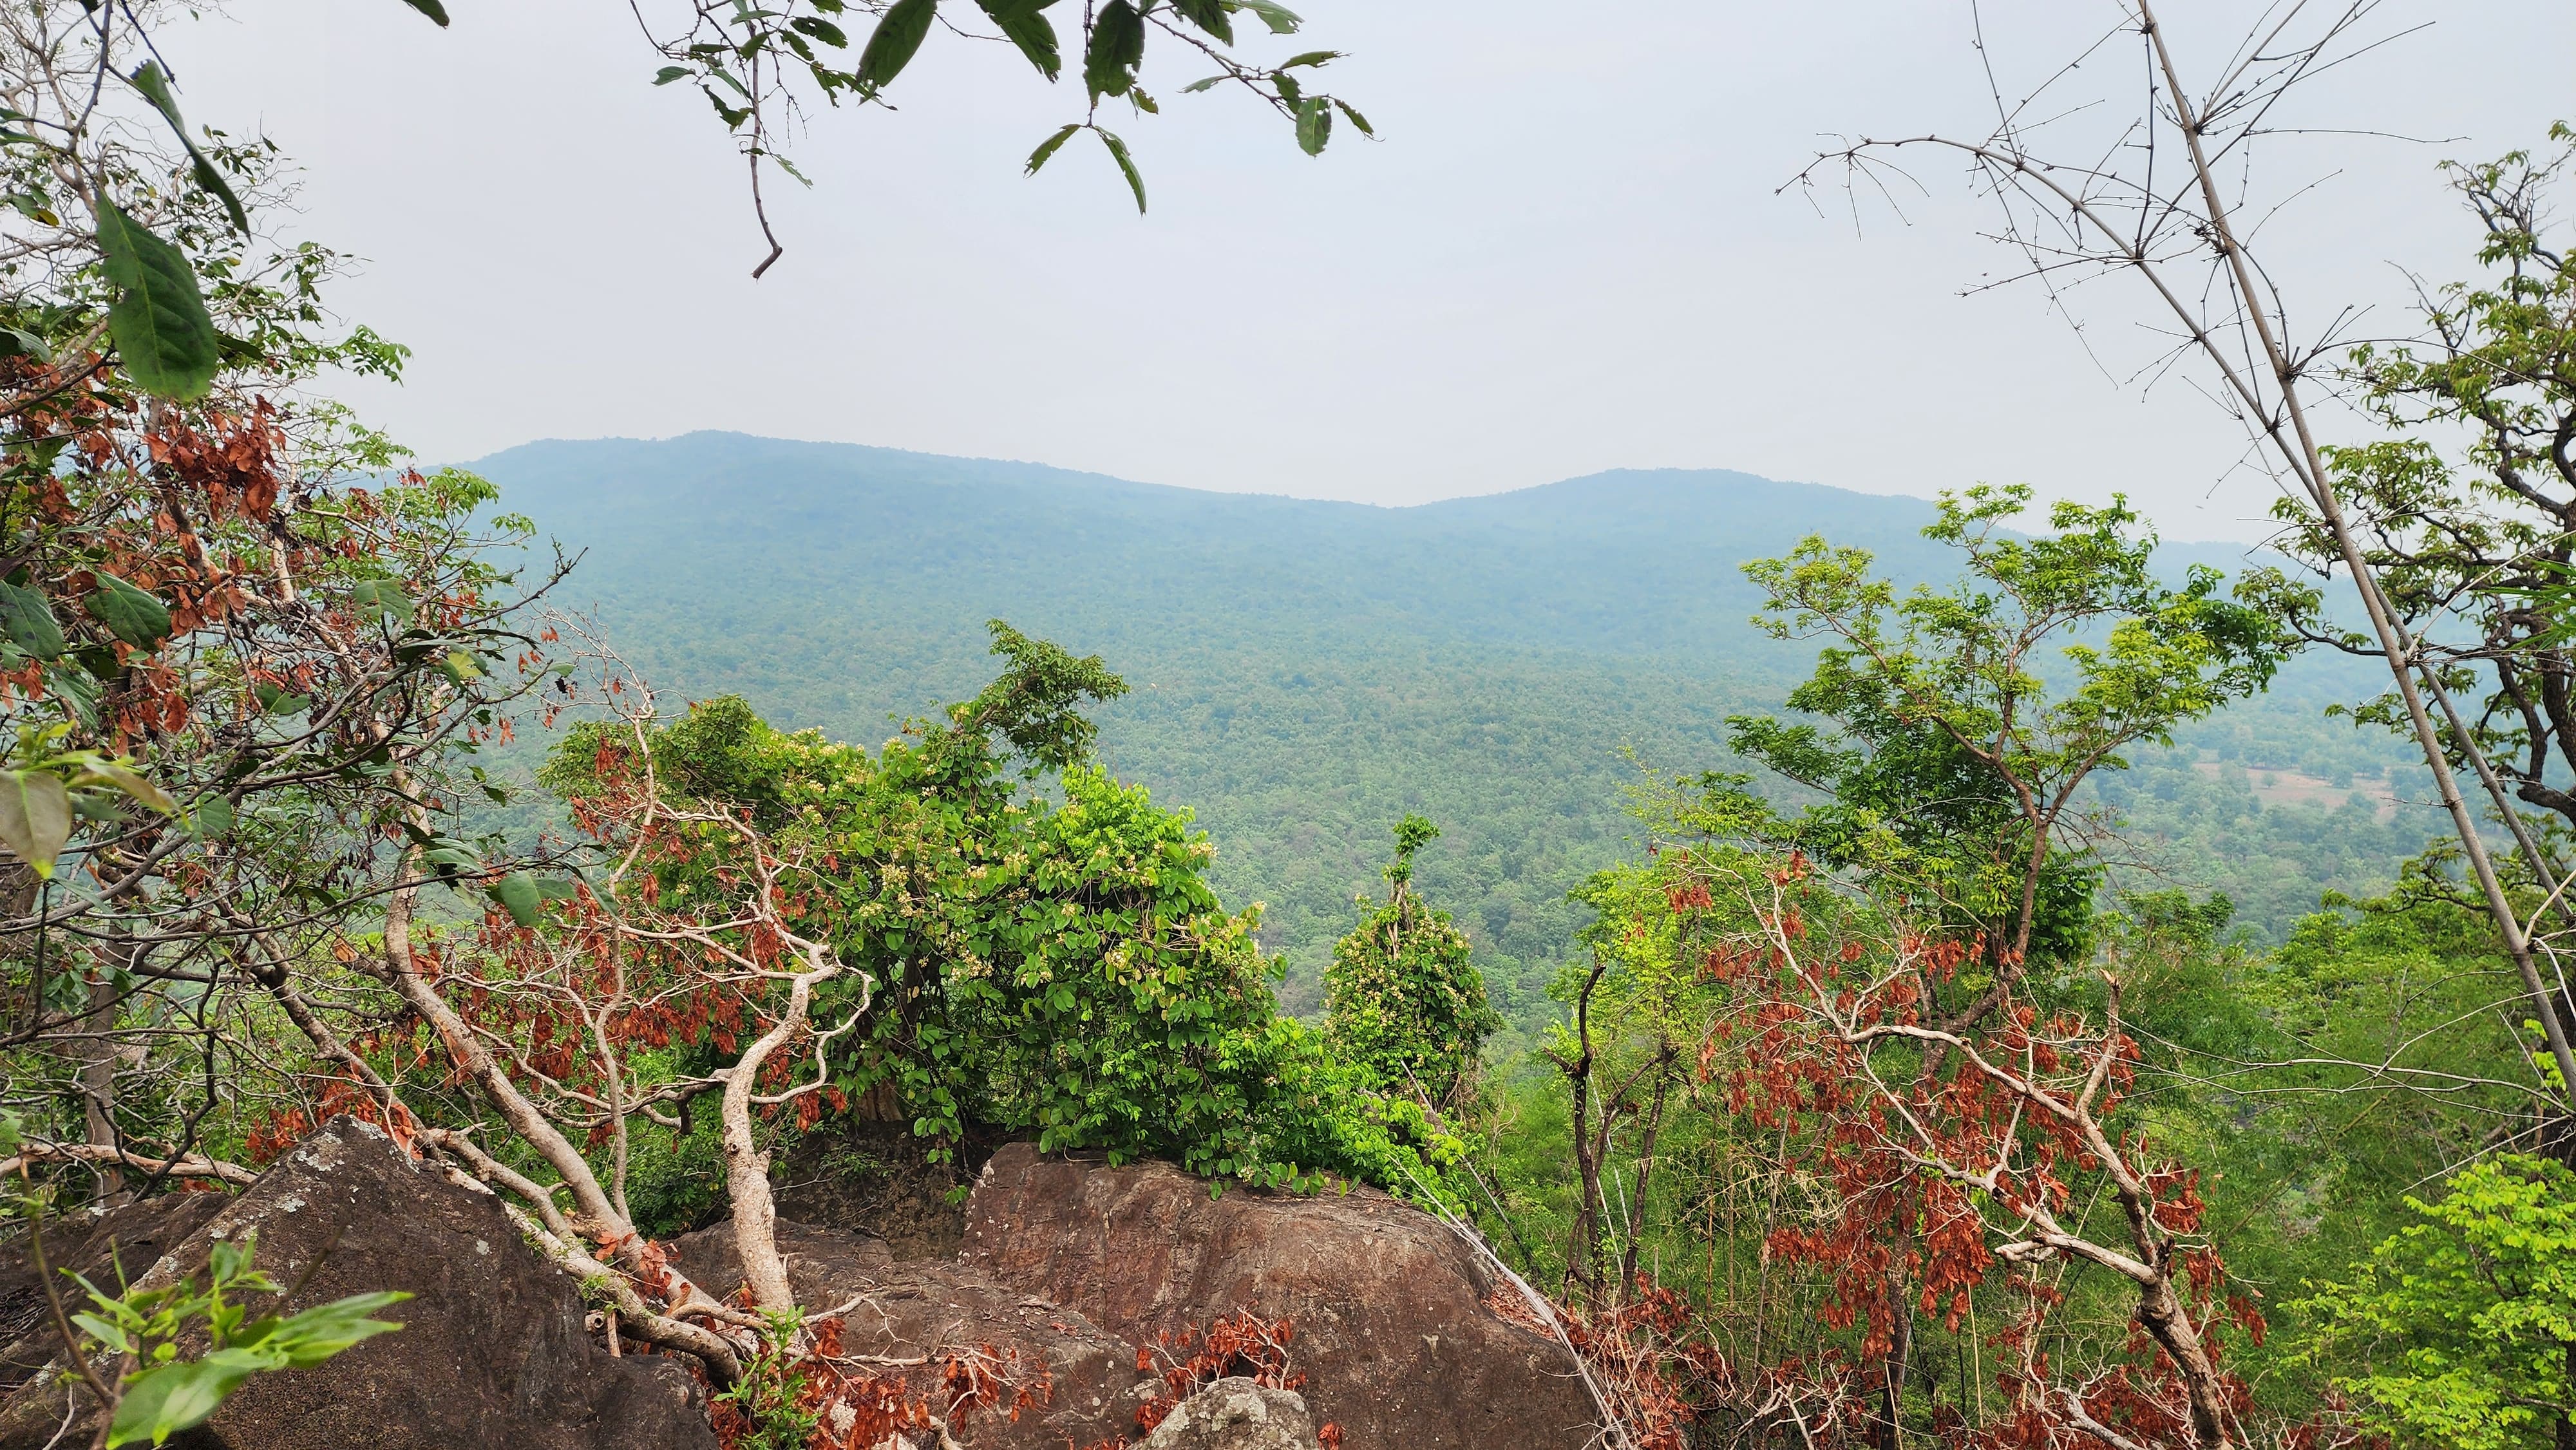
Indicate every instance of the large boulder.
{"type": "Point", "coordinates": [1045, 1376]}
{"type": "Point", "coordinates": [106, 1249]}
{"type": "Point", "coordinates": [1393, 1330]}
{"type": "Point", "coordinates": [492, 1352]}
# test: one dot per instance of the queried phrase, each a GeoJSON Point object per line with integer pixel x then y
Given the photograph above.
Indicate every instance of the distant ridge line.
{"type": "Point", "coordinates": [705, 436]}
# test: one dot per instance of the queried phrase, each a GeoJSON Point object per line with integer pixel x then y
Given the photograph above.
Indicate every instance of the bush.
{"type": "Point", "coordinates": [1054, 967]}
{"type": "Point", "coordinates": [1402, 1001]}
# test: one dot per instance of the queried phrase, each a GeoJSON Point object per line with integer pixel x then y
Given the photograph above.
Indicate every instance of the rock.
{"type": "Point", "coordinates": [1237, 1414]}
{"type": "Point", "coordinates": [1393, 1332]}
{"type": "Point", "coordinates": [1050, 1378]}
{"type": "Point", "coordinates": [106, 1249]}
{"type": "Point", "coordinates": [492, 1351]}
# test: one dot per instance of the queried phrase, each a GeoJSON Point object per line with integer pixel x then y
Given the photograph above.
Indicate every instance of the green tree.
{"type": "Point", "coordinates": [1960, 725]}
{"type": "Point", "coordinates": [2469, 498]}
{"type": "Point", "coordinates": [2465, 510]}
{"type": "Point", "coordinates": [1034, 962]}
{"type": "Point", "coordinates": [1402, 1000]}
{"type": "Point", "coordinates": [2466, 1320]}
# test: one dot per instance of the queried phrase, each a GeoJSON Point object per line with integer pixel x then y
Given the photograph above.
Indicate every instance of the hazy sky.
{"type": "Point", "coordinates": [1566, 253]}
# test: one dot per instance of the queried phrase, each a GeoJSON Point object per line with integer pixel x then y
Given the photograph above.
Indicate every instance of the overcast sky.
{"type": "Point", "coordinates": [1566, 253]}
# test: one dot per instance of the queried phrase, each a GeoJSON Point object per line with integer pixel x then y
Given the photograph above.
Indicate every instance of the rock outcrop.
{"type": "Point", "coordinates": [1393, 1333]}
{"type": "Point", "coordinates": [1074, 1272]}
{"type": "Point", "coordinates": [1237, 1414]}
{"type": "Point", "coordinates": [107, 1249]}
{"type": "Point", "coordinates": [492, 1351]}
{"type": "Point", "coordinates": [1078, 1286]}
{"type": "Point", "coordinates": [1054, 1379]}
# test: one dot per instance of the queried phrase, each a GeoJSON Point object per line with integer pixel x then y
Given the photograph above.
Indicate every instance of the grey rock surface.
{"type": "Point", "coordinates": [1237, 1414]}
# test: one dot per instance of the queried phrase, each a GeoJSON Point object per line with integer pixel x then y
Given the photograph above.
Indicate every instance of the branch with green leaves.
{"type": "Point", "coordinates": [757, 65]}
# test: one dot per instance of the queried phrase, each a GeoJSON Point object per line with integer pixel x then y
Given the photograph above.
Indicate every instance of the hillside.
{"type": "Point", "coordinates": [1306, 671]}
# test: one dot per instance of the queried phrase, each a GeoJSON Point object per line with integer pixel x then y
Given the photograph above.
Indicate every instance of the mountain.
{"type": "Point", "coordinates": [1306, 671]}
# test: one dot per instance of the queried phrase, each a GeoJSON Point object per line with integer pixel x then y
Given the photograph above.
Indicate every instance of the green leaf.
{"type": "Point", "coordinates": [1205, 83]}
{"type": "Point", "coordinates": [1126, 167]}
{"type": "Point", "coordinates": [35, 817]}
{"type": "Point", "coordinates": [898, 34]}
{"type": "Point", "coordinates": [380, 598]}
{"type": "Point", "coordinates": [1312, 57]}
{"type": "Point", "coordinates": [670, 73]}
{"type": "Point", "coordinates": [164, 1400]}
{"type": "Point", "coordinates": [19, 342]}
{"type": "Point", "coordinates": [1314, 124]}
{"type": "Point", "coordinates": [1280, 19]}
{"type": "Point", "coordinates": [1115, 49]}
{"type": "Point", "coordinates": [105, 1331]}
{"type": "Point", "coordinates": [430, 8]}
{"type": "Point", "coordinates": [156, 88]}
{"type": "Point", "coordinates": [306, 1339]}
{"type": "Point", "coordinates": [212, 817]}
{"type": "Point", "coordinates": [29, 623]}
{"type": "Point", "coordinates": [1020, 22]}
{"type": "Point", "coordinates": [1050, 146]}
{"type": "Point", "coordinates": [1208, 15]}
{"type": "Point", "coordinates": [451, 858]}
{"type": "Point", "coordinates": [822, 30]}
{"type": "Point", "coordinates": [281, 702]}
{"type": "Point", "coordinates": [1356, 119]}
{"type": "Point", "coordinates": [157, 316]}
{"type": "Point", "coordinates": [129, 613]}
{"type": "Point", "coordinates": [124, 778]}
{"type": "Point", "coordinates": [518, 895]}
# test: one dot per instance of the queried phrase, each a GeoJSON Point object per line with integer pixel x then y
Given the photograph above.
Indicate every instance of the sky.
{"type": "Point", "coordinates": [1568, 251]}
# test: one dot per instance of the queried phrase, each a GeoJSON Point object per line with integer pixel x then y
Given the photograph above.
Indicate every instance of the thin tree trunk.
{"type": "Point", "coordinates": [96, 1054]}
{"type": "Point", "coordinates": [755, 1210]}
{"type": "Point", "coordinates": [2395, 647]}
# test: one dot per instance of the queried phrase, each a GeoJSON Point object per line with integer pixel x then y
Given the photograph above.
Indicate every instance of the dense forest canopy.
{"type": "Point", "coordinates": [1958, 972]}
{"type": "Point", "coordinates": [1307, 672]}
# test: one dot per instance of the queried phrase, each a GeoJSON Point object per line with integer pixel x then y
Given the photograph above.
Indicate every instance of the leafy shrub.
{"type": "Point", "coordinates": [1402, 1000]}
{"type": "Point", "coordinates": [1054, 965]}
{"type": "Point", "coordinates": [2464, 1323]}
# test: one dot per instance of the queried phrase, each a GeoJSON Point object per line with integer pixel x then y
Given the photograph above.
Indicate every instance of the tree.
{"type": "Point", "coordinates": [1401, 999]}
{"type": "Point", "coordinates": [1633, 1011]}
{"type": "Point", "coordinates": [2467, 1319]}
{"type": "Point", "coordinates": [2477, 538]}
{"type": "Point", "coordinates": [245, 646]}
{"type": "Point", "coordinates": [1966, 1155]}
{"type": "Point", "coordinates": [1053, 965]}
{"type": "Point", "coordinates": [2172, 228]}
{"type": "Point", "coordinates": [1954, 770]}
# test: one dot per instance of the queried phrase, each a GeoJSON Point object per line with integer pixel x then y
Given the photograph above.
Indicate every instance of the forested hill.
{"type": "Point", "coordinates": [1304, 671]}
